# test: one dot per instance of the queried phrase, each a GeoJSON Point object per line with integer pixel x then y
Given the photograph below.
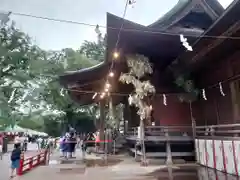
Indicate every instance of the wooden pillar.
{"type": "Point", "coordinates": [170, 173]}
{"type": "Point", "coordinates": [127, 115]}
{"type": "Point", "coordinates": [192, 120]}
{"type": "Point", "coordinates": [168, 150]}
{"type": "Point", "coordinates": [234, 95]}
{"type": "Point", "coordinates": [235, 106]}
{"type": "Point", "coordinates": [112, 112]}
{"type": "Point", "coordinates": [217, 111]}
{"type": "Point", "coordinates": [112, 117]}
{"type": "Point", "coordinates": [102, 122]}
{"type": "Point", "coordinates": [116, 118]}
{"type": "Point", "coordinates": [194, 134]}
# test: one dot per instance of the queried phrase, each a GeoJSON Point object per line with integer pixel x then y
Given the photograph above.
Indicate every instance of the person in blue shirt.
{"type": "Point", "coordinates": [64, 147]}
{"type": "Point", "coordinates": [15, 159]}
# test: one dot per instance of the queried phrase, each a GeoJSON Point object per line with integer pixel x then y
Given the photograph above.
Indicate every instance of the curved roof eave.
{"type": "Point", "coordinates": [86, 74]}
{"type": "Point", "coordinates": [175, 10]}
{"type": "Point", "coordinates": [216, 6]}
{"type": "Point", "coordinates": [85, 69]}
{"type": "Point", "coordinates": [220, 26]}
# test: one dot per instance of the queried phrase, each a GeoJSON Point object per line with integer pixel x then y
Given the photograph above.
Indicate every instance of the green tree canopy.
{"type": "Point", "coordinates": [29, 87]}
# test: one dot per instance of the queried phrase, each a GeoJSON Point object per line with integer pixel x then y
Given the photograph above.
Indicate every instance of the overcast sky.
{"type": "Point", "coordinates": [55, 35]}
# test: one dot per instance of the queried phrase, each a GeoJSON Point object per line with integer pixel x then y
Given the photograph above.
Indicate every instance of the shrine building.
{"type": "Point", "coordinates": [211, 70]}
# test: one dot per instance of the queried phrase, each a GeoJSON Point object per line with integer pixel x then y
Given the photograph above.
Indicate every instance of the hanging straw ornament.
{"type": "Point", "coordinates": [204, 94]}
{"type": "Point", "coordinates": [131, 3]}
{"type": "Point", "coordinates": [185, 43]}
{"type": "Point", "coordinates": [164, 100]}
{"type": "Point", "coordinates": [62, 92]}
{"type": "Point", "coordinates": [130, 100]}
{"type": "Point", "coordinates": [221, 89]}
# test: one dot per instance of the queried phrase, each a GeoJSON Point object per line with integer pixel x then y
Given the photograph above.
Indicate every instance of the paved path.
{"type": "Point", "coordinates": [5, 163]}
{"type": "Point", "coordinates": [127, 169]}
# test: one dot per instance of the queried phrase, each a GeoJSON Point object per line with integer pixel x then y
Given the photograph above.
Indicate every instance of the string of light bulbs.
{"type": "Point", "coordinates": [164, 95]}
{"type": "Point", "coordinates": [107, 85]}
{"type": "Point", "coordinates": [112, 93]}
{"type": "Point", "coordinates": [148, 30]}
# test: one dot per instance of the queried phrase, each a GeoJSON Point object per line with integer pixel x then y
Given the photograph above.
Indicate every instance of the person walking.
{"type": "Point", "coordinates": [50, 144]}
{"type": "Point", "coordinates": [64, 147]}
{"type": "Point", "coordinates": [15, 159]}
{"type": "Point", "coordinates": [25, 143]}
{"type": "Point", "coordinates": [39, 142]}
{"type": "Point", "coordinates": [43, 143]}
{"type": "Point", "coordinates": [97, 141]}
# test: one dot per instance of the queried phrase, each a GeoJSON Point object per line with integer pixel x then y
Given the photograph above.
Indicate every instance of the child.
{"type": "Point", "coordinates": [15, 159]}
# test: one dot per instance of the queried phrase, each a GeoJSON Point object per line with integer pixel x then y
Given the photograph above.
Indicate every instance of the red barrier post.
{"type": "Point", "coordinates": [46, 157]}
{"type": "Point", "coordinates": [38, 159]}
{"type": "Point", "coordinates": [20, 169]}
{"type": "Point", "coordinates": [31, 163]}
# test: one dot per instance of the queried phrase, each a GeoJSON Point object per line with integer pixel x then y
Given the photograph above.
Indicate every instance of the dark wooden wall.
{"type": "Point", "coordinates": [175, 113]}
{"type": "Point", "coordinates": [218, 109]}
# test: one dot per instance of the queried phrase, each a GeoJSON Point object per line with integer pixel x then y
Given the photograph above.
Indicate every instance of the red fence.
{"type": "Point", "coordinates": [31, 162]}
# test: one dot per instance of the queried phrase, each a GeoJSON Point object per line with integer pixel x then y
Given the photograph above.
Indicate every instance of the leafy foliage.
{"type": "Point", "coordinates": [189, 87]}
{"type": "Point", "coordinates": [16, 52]}
{"type": "Point", "coordinates": [59, 103]}
{"type": "Point", "coordinates": [95, 50]}
{"type": "Point", "coordinates": [35, 124]}
{"type": "Point", "coordinates": [29, 81]}
{"type": "Point", "coordinates": [138, 67]}
{"type": "Point", "coordinates": [184, 81]}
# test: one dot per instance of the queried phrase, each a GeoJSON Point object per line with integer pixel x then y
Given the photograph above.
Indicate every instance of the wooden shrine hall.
{"type": "Point", "coordinates": [211, 71]}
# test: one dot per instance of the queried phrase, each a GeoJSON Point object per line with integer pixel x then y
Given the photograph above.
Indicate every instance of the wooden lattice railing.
{"type": "Point", "coordinates": [163, 131]}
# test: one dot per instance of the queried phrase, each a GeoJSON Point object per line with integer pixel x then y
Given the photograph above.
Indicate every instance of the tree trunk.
{"type": "Point", "coordinates": [142, 141]}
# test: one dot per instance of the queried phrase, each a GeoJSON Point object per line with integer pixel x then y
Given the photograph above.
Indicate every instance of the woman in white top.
{"type": "Point", "coordinates": [17, 140]}
{"type": "Point", "coordinates": [39, 142]}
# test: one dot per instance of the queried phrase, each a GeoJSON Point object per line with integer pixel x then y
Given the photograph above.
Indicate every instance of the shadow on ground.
{"type": "Point", "coordinates": [189, 173]}
{"type": "Point", "coordinates": [101, 162]}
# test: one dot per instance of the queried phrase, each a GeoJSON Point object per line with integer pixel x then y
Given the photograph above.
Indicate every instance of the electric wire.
{"type": "Point", "coordinates": [147, 30]}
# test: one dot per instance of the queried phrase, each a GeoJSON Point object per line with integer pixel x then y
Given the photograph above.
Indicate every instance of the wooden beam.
{"type": "Point", "coordinates": [229, 32]}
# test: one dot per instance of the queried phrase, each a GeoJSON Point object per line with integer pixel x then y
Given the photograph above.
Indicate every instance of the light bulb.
{"type": "Point", "coordinates": [103, 94]}
{"type": "Point", "coordinates": [111, 74]}
{"type": "Point", "coordinates": [94, 96]}
{"type": "Point", "coordinates": [108, 85]}
{"type": "Point", "coordinates": [150, 107]}
{"type": "Point", "coordinates": [106, 90]}
{"type": "Point", "coordinates": [115, 55]}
